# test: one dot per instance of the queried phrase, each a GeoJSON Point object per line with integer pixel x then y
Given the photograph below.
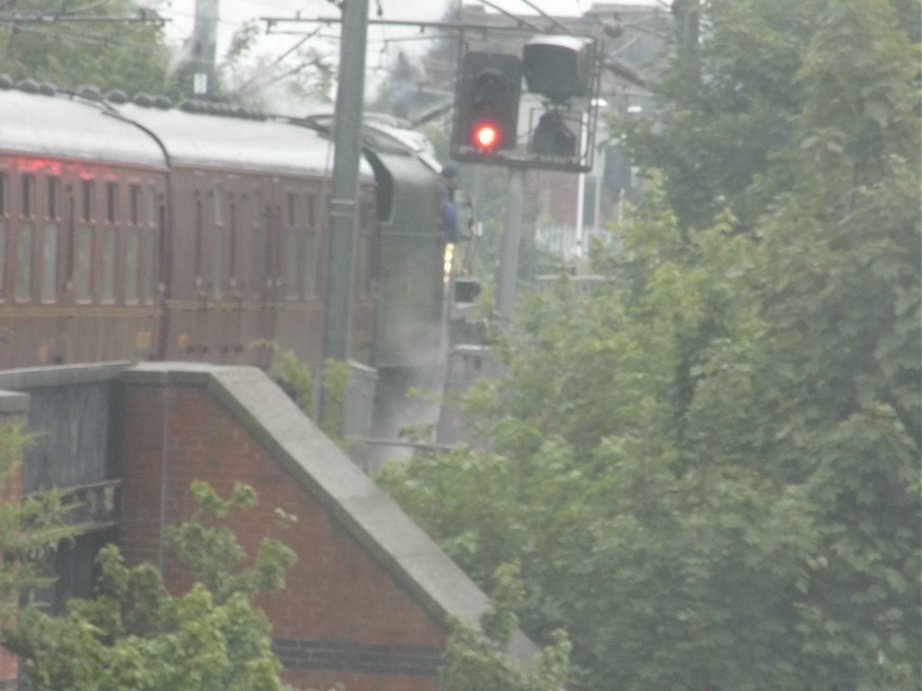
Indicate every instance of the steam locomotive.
{"type": "Point", "coordinates": [131, 229]}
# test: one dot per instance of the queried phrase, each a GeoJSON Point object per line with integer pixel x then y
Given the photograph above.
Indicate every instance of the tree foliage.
{"type": "Point", "coordinates": [30, 527]}
{"type": "Point", "coordinates": [708, 465]}
{"type": "Point", "coordinates": [117, 44]}
{"type": "Point", "coordinates": [72, 44]}
{"type": "Point", "coordinates": [298, 381]}
{"type": "Point", "coordinates": [476, 659]}
{"type": "Point", "coordinates": [135, 635]}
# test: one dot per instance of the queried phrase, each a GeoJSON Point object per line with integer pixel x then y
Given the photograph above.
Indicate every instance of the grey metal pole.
{"type": "Point", "coordinates": [347, 130]}
{"type": "Point", "coordinates": [512, 238]}
{"type": "Point", "coordinates": [204, 31]}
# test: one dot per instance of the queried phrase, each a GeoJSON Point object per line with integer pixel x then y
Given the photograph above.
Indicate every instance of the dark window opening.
{"type": "Point", "coordinates": [88, 209]}
{"type": "Point", "coordinates": [199, 222]}
{"type": "Point", "coordinates": [311, 212]}
{"type": "Point", "coordinates": [292, 202]}
{"type": "Point", "coordinates": [109, 257]}
{"type": "Point", "coordinates": [50, 262]}
{"type": "Point", "coordinates": [111, 201]}
{"type": "Point", "coordinates": [135, 204]}
{"type": "Point", "coordinates": [54, 198]}
{"type": "Point", "coordinates": [24, 263]}
{"type": "Point", "coordinates": [28, 195]}
{"type": "Point", "coordinates": [232, 261]}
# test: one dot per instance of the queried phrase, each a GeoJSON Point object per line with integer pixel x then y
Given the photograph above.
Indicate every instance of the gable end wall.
{"type": "Point", "coordinates": [343, 617]}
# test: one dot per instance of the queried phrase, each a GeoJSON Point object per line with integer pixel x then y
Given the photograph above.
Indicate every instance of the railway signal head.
{"type": "Point", "coordinates": [487, 105]}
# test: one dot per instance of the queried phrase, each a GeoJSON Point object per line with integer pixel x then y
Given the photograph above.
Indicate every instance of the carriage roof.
{"type": "Point", "coordinates": [61, 127]}
{"type": "Point", "coordinates": [257, 145]}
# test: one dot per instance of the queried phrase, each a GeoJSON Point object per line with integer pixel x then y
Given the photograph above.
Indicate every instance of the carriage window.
{"type": "Point", "coordinates": [290, 249]}
{"type": "Point", "coordinates": [132, 262]}
{"type": "Point", "coordinates": [217, 267]}
{"type": "Point", "coordinates": [2, 257]}
{"type": "Point", "coordinates": [109, 254]}
{"type": "Point", "coordinates": [218, 245]}
{"type": "Point", "coordinates": [259, 253]}
{"type": "Point", "coordinates": [88, 205]}
{"type": "Point", "coordinates": [149, 287]}
{"type": "Point", "coordinates": [135, 192]}
{"type": "Point", "coordinates": [232, 261]}
{"type": "Point", "coordinates": [147, 284]}
{"type": "Point", "coordinates": [153, 258]}
{"type": "Point", "coordinates": [111, 202]}
{"type": "Point", "coordinates": [199, 230]}
{"type": "Point", "coordinates": [218, 196]}
{"type": "Point", "coordinates": [151, 206]}
{"type": "Point", "coordinates": [24, 262]}
{"type": "Point", "coordinates": [310, 251]}
{"type": "Point", "coordinates": [54, 198]}
{"type": "Point", "coordinates": [310, 264]}
{"type": "Point", "coordinates": [290, 259]}
{"type": "Point", "coordinates": [49, 277]}
{"type": "Point", "coordinates": [292, 201]}
{"type": "Point", "coordinates": [28, 196]}
{"type": "Point", "coordinates": [3, 226]}
{"type": "Point", "coordinates": [49, 262]}
{"type": "Point", "coordinates": [83, 263]}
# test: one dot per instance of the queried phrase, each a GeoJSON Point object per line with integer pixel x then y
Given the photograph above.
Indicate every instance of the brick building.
{"type": "Point", "coordinates": [367, 603]}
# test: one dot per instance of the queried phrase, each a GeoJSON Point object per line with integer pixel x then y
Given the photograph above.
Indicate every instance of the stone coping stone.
{"type": "Point", "coordinates": [61, 375]}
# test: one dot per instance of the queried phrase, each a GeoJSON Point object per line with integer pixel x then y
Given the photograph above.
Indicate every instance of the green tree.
{"type": "Point", "coordinates": [476, 659]}
{"type": "Point", "coordinates": [708, 467]}
{"type": "Point", "coordinates": [296, 378]}
{"type": "Point", "coordinates": [30, 527]}
{"type": "Point", "coordinates": [136, 635]}
{"type": "Point", "coordinates": [72, 44]}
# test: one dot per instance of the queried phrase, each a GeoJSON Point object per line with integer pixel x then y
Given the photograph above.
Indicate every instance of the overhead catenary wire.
{"type": "Point", "coordinates": [254, 79]}
{"type": "Point", "coordinates": [544, 14]}
{"type": "Point", "coordinates": [84, 37]}
{"type": "Point", "coordinates": [514, 17]}
{"type": "Point", "coordinates": [143, 16]}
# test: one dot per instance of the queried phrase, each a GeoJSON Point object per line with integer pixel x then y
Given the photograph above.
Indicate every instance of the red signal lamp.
{"type": "Point", "coordinates": [486, 137]}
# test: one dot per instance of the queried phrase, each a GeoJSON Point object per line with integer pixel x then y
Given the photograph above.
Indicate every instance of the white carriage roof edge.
{"type": "Point", "coordinates": [194, 139]}
{"type": "Point", "coordinates": [36, 125]}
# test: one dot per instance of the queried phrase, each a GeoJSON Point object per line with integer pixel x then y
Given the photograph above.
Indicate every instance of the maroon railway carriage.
{"type": "Point", "coordinates": [141, 232]}
{"type": "Point", "coordinates": [249, 215]}
{"type": "Point", "coordinates": [82, 222]}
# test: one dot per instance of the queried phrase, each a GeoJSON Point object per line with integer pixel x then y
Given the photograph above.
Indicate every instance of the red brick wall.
{"type": "Point", "coordinates": [337, 593]}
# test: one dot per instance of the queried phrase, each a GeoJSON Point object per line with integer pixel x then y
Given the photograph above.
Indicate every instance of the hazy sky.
{"type": "Point", "coordinates": [384, 43]}
{"type": "Point", "coordinates": [235, 12]}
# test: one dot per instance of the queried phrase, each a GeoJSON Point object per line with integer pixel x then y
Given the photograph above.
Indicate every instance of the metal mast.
{"type": "Point", "coordinates": [347, 132]}
{"type": "Point", "coordinates": [205, 48]}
